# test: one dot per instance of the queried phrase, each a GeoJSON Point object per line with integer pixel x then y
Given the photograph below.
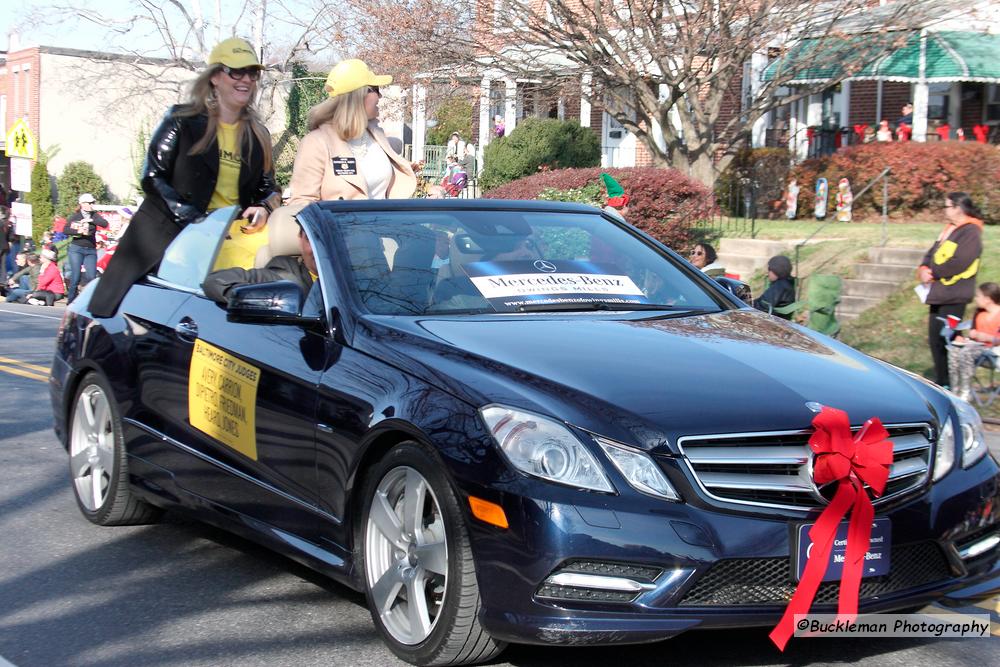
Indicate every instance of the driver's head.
{"type": "Point", "coordinates": [306, 250]}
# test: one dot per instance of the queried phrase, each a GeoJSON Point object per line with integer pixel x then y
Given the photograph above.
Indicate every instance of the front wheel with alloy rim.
{"type": "Point", "coordinates": [420, 578]}
{"type": "Point", "coordinates": [97, 462]}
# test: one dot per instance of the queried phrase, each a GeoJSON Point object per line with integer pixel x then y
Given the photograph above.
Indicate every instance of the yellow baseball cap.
{"type": "Point", "coordinates": [234, 52]}
{"type": "Point", "coordinates": [349, 75]}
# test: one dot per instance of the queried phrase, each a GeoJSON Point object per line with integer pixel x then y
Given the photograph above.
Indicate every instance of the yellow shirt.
{"type": "Point", "coordinates": [239, 249]}
{"type": "Point", "coordinates": [227, 187]}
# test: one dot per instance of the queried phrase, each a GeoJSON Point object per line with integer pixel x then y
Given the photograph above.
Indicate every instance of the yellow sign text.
{"type": "Point", "coordinates": [222, 397]}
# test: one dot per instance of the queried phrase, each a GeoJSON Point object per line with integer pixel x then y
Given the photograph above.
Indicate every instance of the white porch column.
{"type": "Point", "coordinates": [845, 104]}
{"type": "Point", "coordinates": [758, 133]}
{"type": "Point", "coordinates": [921, 94]}
{"type": "Point", "coordinates": [920, 101]}
{"type": "Point", "coordinates": [510, 105]}
{"type": "Point", "coordinates": [814, 111]}
{"type": "Point", "coordinates": [419, 121]}
{"type": "Point", "coordinates": [585, 92]}
{"type": "Point", "coordinates": [656, 129]}
{"type": "Point", "coordinates": [484, 114]}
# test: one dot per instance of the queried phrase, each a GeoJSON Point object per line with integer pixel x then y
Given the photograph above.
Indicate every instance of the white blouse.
{"type": "Point", "coordinates": [373, 165]}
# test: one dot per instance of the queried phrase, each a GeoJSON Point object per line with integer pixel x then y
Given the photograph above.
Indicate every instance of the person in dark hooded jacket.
{"type": "Point", "coordinates": [781, 291]}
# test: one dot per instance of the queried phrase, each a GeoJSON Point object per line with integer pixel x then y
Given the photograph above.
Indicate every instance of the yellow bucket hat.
{"type": "Point", "coordinates": [349, 75]}
{"type": "Point", "coordinates": [234, 52]}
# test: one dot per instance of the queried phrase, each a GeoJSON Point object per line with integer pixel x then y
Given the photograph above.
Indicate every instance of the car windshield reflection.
{"type": "Point", "coordinates": [473, 262]}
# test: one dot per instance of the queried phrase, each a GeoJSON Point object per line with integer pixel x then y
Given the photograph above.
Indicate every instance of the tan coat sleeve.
{"type": "Point", "coordinates": [308, 169]}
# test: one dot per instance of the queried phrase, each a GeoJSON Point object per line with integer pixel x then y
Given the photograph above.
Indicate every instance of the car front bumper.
{"type": "Point", "coordinates": [714, 569]}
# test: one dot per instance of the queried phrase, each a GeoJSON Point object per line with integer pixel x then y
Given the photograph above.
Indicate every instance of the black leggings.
{"type": "Point", "coordinates": [938, 345]}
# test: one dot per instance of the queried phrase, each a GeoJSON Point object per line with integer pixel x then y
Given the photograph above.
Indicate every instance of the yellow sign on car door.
{"type": "Point", "coordinates": [222, 397]}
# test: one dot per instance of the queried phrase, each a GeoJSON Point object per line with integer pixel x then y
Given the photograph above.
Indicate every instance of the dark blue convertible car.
{"type": "Point", "coordinates": [507, 422]}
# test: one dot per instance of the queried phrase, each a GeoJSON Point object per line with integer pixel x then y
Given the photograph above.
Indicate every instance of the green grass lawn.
{"type": "Point", "coordinates": [895, 331]}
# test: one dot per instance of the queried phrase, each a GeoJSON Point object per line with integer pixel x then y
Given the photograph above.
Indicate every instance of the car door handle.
{"type": "Point", "coordinates": [187, 330]}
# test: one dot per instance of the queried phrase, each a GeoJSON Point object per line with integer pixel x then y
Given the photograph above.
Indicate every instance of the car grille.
{"type": "Point", "coordinates": [775, 469]}
{"type": "Point", "coordinates": [764, 581]}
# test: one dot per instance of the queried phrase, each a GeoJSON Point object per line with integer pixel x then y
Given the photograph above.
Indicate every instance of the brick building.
{"type": "Point", "coordinates": [949, 71]}
{"type": "Point", "coordinates": [96, 107]}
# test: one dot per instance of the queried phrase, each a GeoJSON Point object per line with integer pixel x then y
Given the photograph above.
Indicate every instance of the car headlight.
{"type": "Point", "coordinates": [971, 426]}
{"type": "Point", "coordinates": [639, 470]}
{"type": "Point", "coordinates": [944, 458]}
{"type": "Point", "coordinates": [544, 448]}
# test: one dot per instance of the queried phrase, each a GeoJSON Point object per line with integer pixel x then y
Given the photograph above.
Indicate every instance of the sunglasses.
{"type": "Point", "coordinates": [374, 89]}
{"type": "Point", "coordinates": [238, 73]}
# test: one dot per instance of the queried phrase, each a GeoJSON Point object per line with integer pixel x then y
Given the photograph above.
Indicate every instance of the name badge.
{"type": "Point", "coordinates": [345, 166]}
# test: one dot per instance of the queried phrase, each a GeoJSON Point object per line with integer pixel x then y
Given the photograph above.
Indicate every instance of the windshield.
{"type": "Point", "coordinates": [418, 262]}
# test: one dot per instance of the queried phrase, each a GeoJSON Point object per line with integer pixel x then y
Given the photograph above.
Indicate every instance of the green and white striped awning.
{"type": "Point", "coordinates": [929, 57]}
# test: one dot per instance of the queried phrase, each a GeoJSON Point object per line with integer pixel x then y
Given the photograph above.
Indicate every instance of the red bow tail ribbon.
{"type": "Point", "coordinates": [852, 462]}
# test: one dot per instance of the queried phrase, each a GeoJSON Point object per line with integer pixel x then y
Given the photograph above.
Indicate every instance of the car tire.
{"type": "Point", "coordinates": [97, 462]}
{"type": "Point", "coordinates": [428, 559]}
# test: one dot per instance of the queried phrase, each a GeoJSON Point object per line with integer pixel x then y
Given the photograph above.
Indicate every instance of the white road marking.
{"type": "Point", "coordinates": [21, 312]}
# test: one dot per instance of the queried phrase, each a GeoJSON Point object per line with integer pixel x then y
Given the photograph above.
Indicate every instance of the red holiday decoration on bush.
{"type": "Point", "coordinates": [852, 462]}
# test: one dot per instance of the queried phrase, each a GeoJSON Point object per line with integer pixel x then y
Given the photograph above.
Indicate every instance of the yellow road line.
{"type": "Point", "coordinates": [16, 362]}
{"type": "Point", "coordinates": [31, 375]}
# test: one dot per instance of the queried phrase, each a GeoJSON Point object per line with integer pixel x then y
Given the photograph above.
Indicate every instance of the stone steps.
{"type": "Point", "coordinates": [745, 257]}
{"type": "Point", "coordinates": [878, 278]}
{"type": "Point", "coordinates": [885, 272]}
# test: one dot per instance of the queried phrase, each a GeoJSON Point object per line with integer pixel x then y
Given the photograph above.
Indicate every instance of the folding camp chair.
{"type": "Point", "coordinates": [984, 378]}
{"type": "Point", "coordinates": [822, 297]}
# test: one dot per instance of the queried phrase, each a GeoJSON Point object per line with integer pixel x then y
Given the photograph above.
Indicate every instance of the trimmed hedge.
{"type": "Point", "coordinates": [922, 174]}
{"type": "Point", "coordinates": [663, 202]}
{"type": "Point", "coordinates": [538, 144]}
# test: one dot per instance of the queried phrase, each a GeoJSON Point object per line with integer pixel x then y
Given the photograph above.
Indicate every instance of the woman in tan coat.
{"type": "Point", "coordinates": [346, 155]}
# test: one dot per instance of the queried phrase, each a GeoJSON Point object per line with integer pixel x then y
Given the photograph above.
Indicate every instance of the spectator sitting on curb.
{"type": "Point", "coordinates": [51, 287]}
{"type": "Point", "coordinates": [25, 281]}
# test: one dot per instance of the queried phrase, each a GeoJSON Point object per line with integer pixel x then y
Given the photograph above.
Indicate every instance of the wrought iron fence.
{"type": "Point", "coordinates": [735, 212]}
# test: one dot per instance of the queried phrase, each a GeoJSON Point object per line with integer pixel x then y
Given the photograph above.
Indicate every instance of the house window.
{"type": "Point", "coordinates": [937, 101]}
{"type": "Point", "coordinates": [993, 102]}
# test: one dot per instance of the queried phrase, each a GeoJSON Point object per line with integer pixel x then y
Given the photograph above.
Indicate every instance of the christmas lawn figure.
{"type": "Point", "coordinates": [845, 199]}
{"type": "Point", "coordinates": [822, 193]}
{"type": "Point", "coordinates": [792, 200]}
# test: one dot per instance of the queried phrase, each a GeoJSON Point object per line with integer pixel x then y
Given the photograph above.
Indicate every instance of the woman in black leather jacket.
{"type": "Point", "coordinates": [208, 153]}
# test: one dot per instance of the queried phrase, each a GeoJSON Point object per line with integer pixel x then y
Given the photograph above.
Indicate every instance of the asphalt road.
{"type": "Point", "coordinates": [181, 594]}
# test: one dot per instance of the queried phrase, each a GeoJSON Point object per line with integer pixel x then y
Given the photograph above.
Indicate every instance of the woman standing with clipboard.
{"type": "Point", "coordinates": [346, 155]}
{"type": "Point", "coordinates": [948, 273]}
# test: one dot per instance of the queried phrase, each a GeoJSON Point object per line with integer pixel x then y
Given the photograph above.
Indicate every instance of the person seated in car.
{"type": "Point", "coordinates": [781, 291]}
{"type": "Point", "coordinates": [300, 269]}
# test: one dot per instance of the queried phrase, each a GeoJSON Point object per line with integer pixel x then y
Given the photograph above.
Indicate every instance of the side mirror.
{"type": "Point", "coordinates": [737, 288]}
{"type": "Point", "coordinates": [278, 302]}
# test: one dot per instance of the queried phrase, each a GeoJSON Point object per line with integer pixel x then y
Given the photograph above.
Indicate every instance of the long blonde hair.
{"type": "Point", "coordinates": [202, 100]}
{"type": "Point", "coordinates": [345, 112]}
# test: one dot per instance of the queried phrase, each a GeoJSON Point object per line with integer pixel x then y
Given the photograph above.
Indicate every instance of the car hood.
{"type": "Point", "coordinates": [649, 381]}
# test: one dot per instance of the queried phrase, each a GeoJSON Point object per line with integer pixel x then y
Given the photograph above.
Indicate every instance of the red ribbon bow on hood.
{"type": "Point", "coordinates": [852, 462]}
